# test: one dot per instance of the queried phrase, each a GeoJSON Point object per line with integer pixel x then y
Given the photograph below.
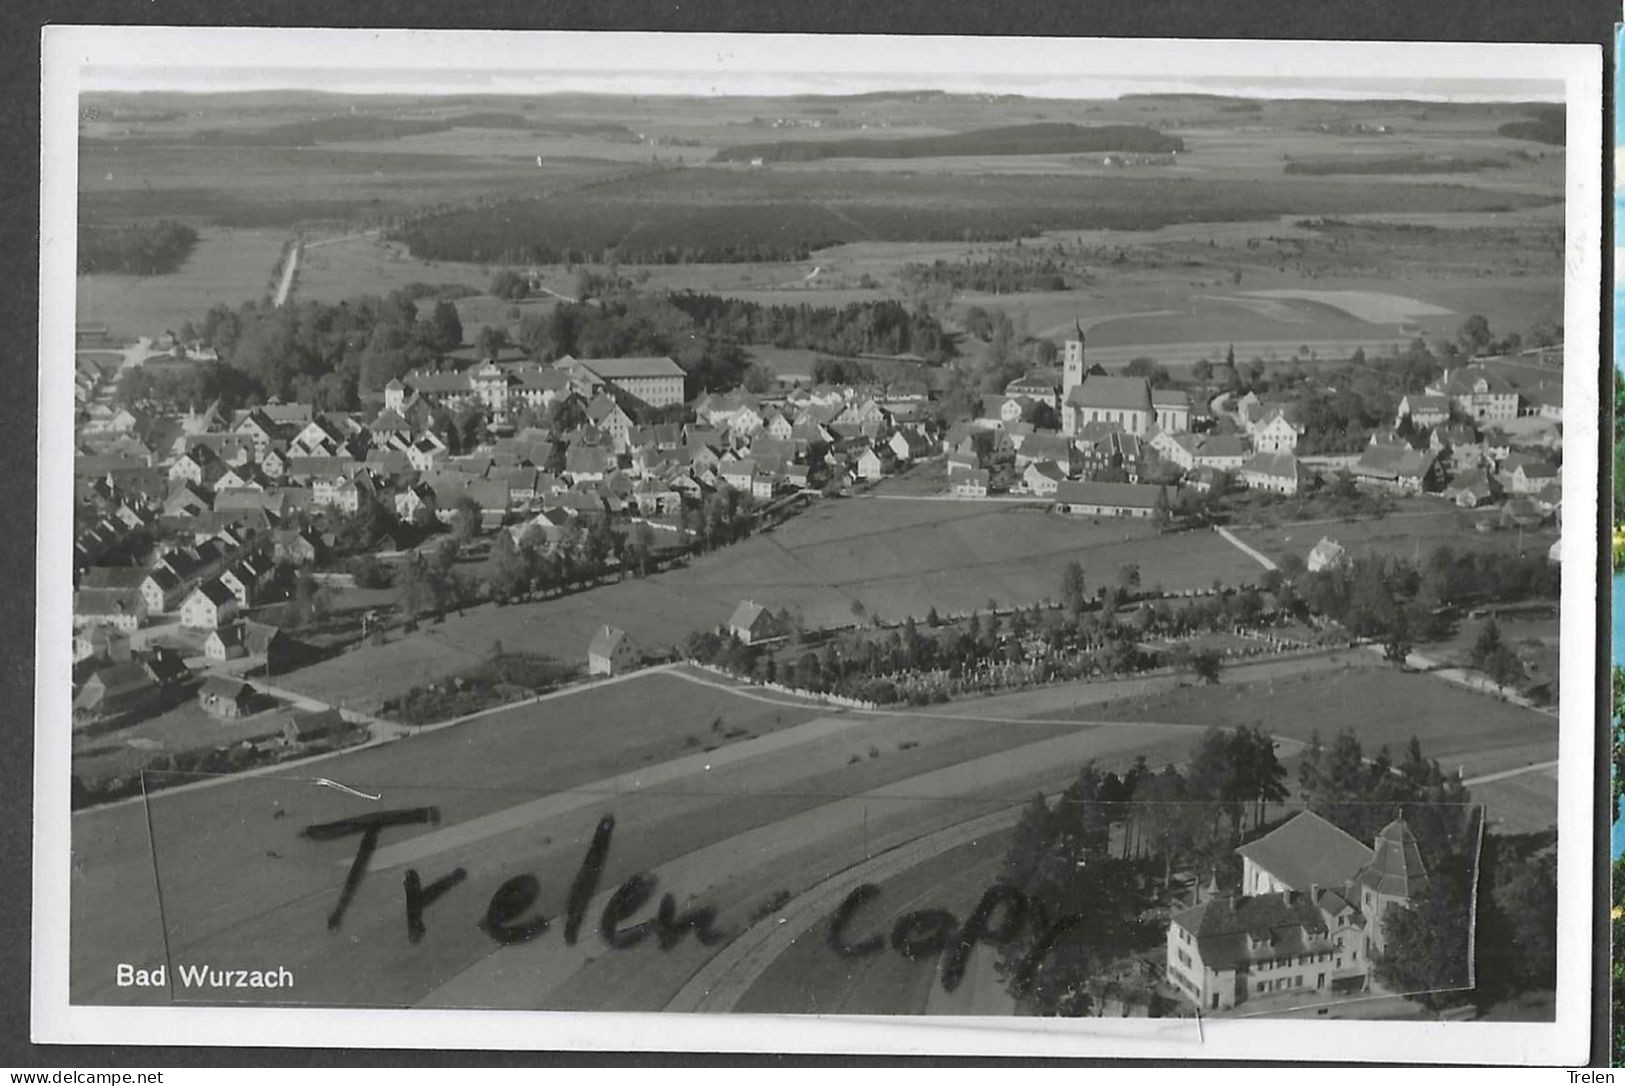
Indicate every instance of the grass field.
{"type": "Point", "coordinates": [227, 267]}
{"type": "Point", "coordinates": [894, 557]}
{"type": "Point", "coordinates": [1467, 731]}
{"type": "Point", "coordinates": [1419, 526]}
{"type": "Point", "coordinates": [182, 729]}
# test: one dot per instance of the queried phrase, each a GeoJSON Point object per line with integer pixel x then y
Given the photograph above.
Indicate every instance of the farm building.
{"type": "Point", "coordinates": [119, 608]}
{"type": "Point", "coordinates": [1090, 499]}
{"type": "Point", "coordinates": [121, 688]}
{"type": "Point", "coordinates": [753, 624]}
{"type": "Point", "coordinates": [1327, 554]}
{"type": "Point", "coordinates": [310, 727]}
{"type": "Point", "coordinates": [611, 652]}
{"type": "Point", "coordinates": [226, 698]}
{"type": "Point", "coordinates": [1470, 489]}
{"type": "Point", "coordinates": [1397, 468]}
{"type": "Point", "coordinates": [1276, 472]}
{"type": "Point", "coordinates": [102, 643]}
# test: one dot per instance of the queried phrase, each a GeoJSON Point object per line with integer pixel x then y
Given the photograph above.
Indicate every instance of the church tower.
{"type": "Point", "coordinates": [1395, 876]}
{"type": "Point", "coordinates": [1072, 365]}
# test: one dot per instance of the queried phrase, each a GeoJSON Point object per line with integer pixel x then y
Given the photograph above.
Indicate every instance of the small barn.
{"type": "Point", "coordinates": [612, 652]}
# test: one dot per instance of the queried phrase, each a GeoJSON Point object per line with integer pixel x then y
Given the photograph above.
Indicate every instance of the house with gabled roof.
{"type": "Point", "coordinates": [127, 687]}
{"type": "Point", "coordinates": [612, 652]}
{"type": "Point", "coordinates": [227, 698]}
{"type": "Point", "coordinates": [1043, 478]}
{"type": "Point", "coordinates": [1276, 472]}
{"type": "Point", "coordinates": [909, 444]}
{"type": "Point", "coordinates": [119, 608]}
{"type": "Point", "coordinates": [1423, 410]}
{"type": "Point", "coordinates": [1529, 475]}
{"type": "Point", "coordinates": [1327, 554]}
{"type": "Point", "coordinates": [210, 605]}
{"type": "Point", "coordinates": [319, 725]}
{"type": "Point", "coordinates": [1396, 468]}
{"type": "Point", "coordinates": [1470, 489]}
{"type": "Point", "coordinates": [754, 624]}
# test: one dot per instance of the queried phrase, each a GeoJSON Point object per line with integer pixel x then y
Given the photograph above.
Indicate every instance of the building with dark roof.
{"type": "Point", "coordinates": [1302, 852]}
{"type": "Point", "coordinates": [1233, 949]}
{"type": "Point", "coordinates": [1112, 499]}
{"type": "Point", "coordinates": [1396, 876]}
{"type": "Point", "coordinates": [1312, 910]}
{"type": "Point", "coordinates": [657, 381]}
{"type": "Point", "coordinates": [1121, 401]}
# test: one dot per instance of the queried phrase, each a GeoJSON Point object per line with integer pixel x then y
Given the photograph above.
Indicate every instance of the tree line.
{"type": "Point", "coordinates": [140, 248]}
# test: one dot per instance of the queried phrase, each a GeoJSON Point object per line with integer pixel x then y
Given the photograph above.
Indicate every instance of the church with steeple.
{"type": "Point", "coordinates": [1091, 395]}
{"type": "Point", "coordinates": [1312, 909]}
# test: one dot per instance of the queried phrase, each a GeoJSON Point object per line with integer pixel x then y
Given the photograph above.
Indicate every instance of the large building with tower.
{"type": "Point", "coordinates": [1310, 913]}
{"type": "Point", "coordinates": [1091, 395]}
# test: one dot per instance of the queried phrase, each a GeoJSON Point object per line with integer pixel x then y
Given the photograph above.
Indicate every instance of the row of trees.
{"type": "Point", "coordinates": [1004, 273]}
{"type": "Point", "coordinates": [316, 352]}
{"type": "Point", "coordinates": [879, 327]}
{"type": "Point", "coordinates": [1106, 850]}
{"type": "Point", "coordinates": [140, 248]}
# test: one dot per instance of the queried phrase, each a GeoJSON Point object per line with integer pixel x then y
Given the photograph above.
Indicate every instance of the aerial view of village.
{"type": "Point", "coordinates": [883, 552]}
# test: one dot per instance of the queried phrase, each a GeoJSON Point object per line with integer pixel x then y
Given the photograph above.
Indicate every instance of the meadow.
{"type": "Point", "coordinates": [228, 267]}
{"type": "Point", "coordinates": [840, 562]}
{"type": "Point", "coordinates": [1413, 530]}
{"type": "Point", "coordinates": [1467, 731]}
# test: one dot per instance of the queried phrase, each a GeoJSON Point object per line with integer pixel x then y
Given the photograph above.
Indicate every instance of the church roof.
{"type": "Point", "coordinates": [1104, 390]}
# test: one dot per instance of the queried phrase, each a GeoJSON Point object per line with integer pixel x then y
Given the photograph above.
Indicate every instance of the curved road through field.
{"type": "Point", "coordinates": [769, 815]}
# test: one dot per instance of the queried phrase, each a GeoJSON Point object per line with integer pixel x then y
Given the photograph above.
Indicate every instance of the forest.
{"type": "Point", "coordinates": [1024, 139]}
{"type": "Point", "coordinates": [143, 248]}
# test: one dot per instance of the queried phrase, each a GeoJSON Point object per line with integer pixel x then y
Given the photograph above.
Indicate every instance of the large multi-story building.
{"type": "Point", "coordinates": [658, 382]}
{"type": "Point", "coordinates": [1310, 912]}
{"type": "Point", "coordinates": [1478, 393]}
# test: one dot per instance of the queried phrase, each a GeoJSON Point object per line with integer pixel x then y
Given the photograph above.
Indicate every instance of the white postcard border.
{"type": "Point", "coordinates": [66, 50]}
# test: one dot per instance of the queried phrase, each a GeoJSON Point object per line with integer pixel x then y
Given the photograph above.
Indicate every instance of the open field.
{"type": "Point", "coordinates": [181, 729]}
{"type": "Point", "coordinates": [227, 267]}
{"type": "Point", "coordinates": [1419, 525]}
{"type": "Point", "coordinates": [789, 809]}
{"type": "Point", "coordinates": [1165, 240]}
{"type": "Point", "coordinates": [1476, 733]}
{"type": "Point", "coordinates": [894, 557]}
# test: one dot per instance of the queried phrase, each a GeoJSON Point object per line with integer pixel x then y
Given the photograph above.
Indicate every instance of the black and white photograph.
{"type": "Point", "coordinates": [818, 543]}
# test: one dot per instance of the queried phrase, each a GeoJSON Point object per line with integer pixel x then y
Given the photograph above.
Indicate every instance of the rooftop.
{"type": "Point", "coordinates": [1308, 851]}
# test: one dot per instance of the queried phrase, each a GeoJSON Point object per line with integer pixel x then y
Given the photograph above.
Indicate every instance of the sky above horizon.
{"type": "Point", "coordinates": [708, 82]}
{"type": "Point", "coordinates": [203, 59]}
